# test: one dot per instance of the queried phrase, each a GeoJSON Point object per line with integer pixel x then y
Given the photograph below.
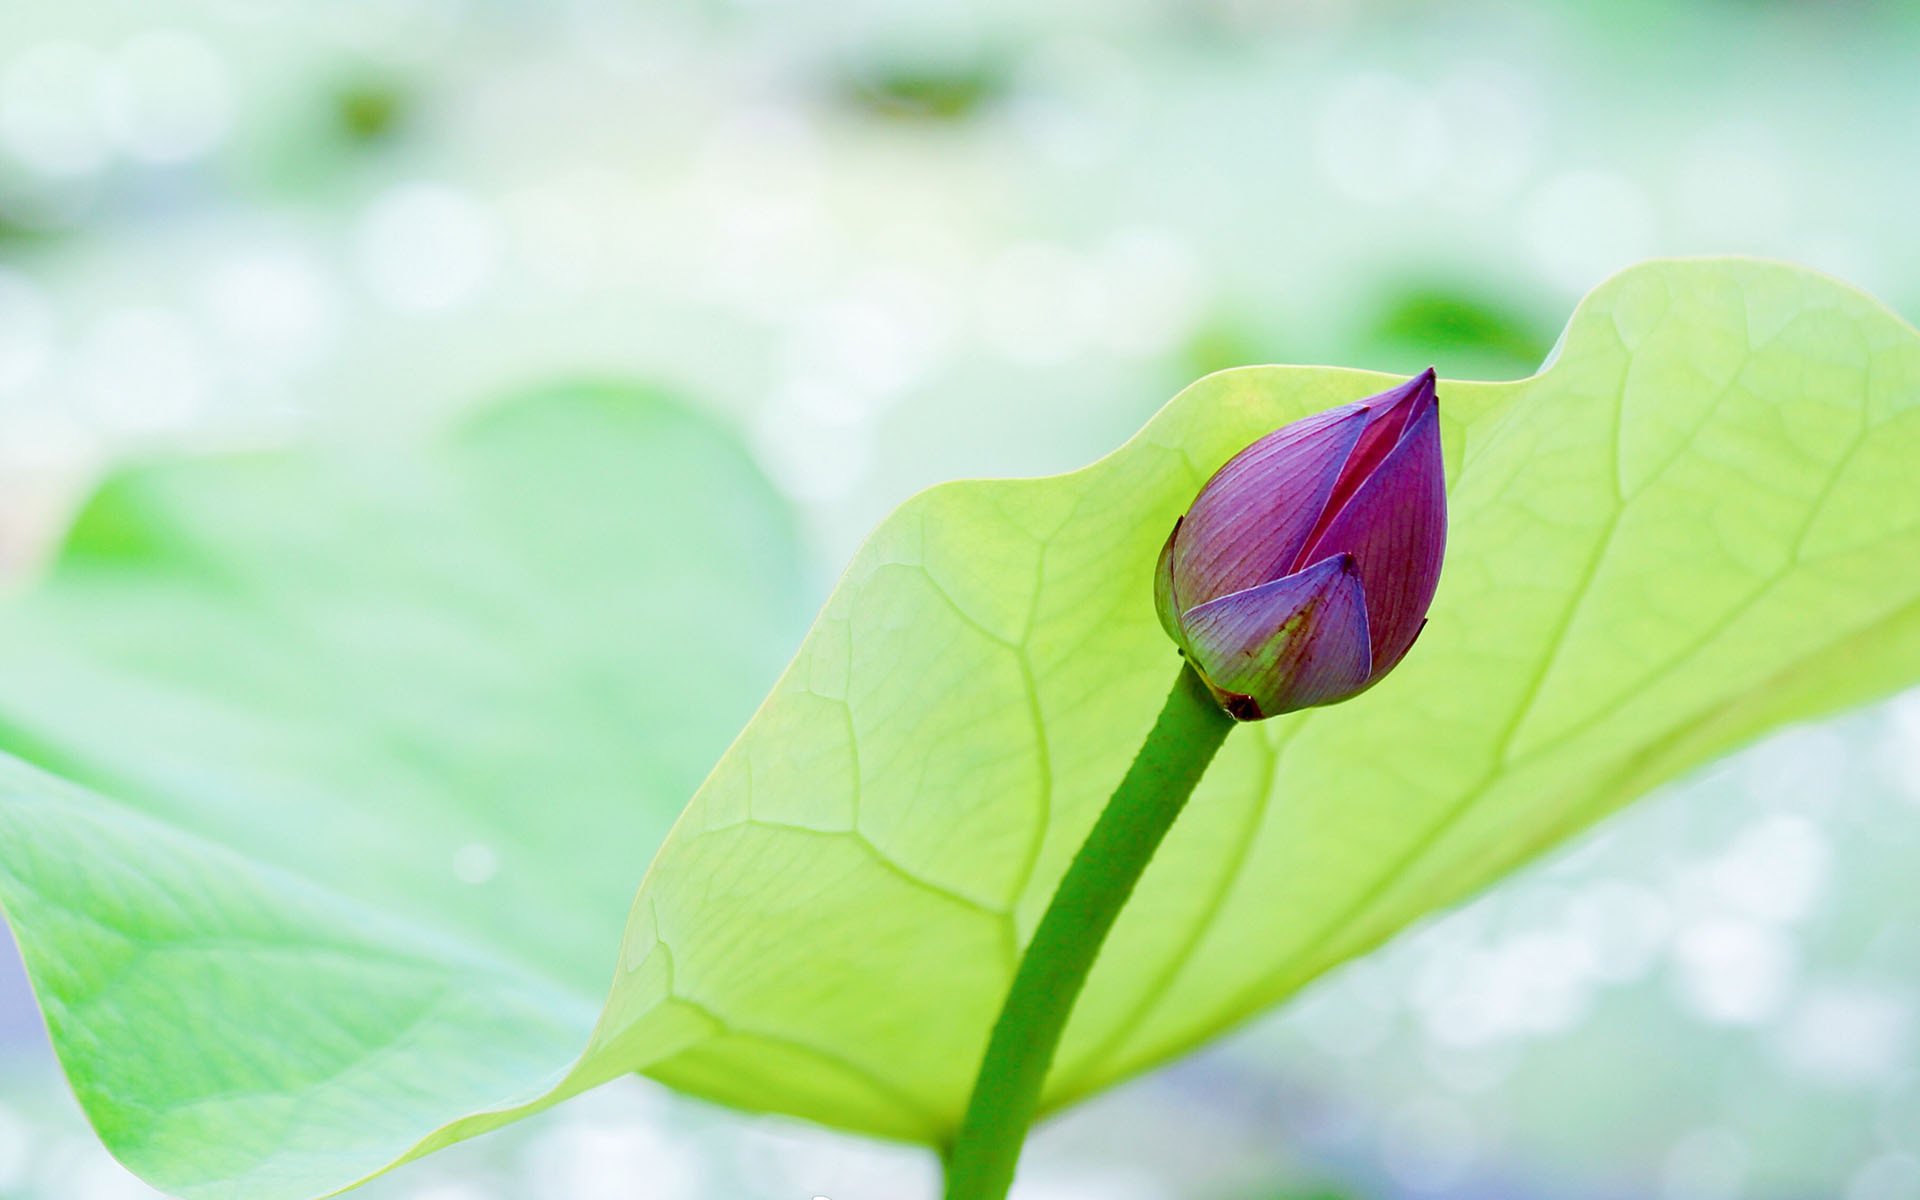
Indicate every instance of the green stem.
{"type": "Point", "coordinates": [1006, 1093]}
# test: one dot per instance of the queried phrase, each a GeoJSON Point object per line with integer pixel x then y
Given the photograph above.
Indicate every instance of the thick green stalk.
{"type": "Point", "coordinates": [1006, 1093]}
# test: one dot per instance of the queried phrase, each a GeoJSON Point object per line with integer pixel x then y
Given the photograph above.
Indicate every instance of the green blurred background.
{"type": "Point", "coordinates": [895, 244]}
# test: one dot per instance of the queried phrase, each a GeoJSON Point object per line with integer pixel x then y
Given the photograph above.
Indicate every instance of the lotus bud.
{"type": "Point", "coordinates": [1303, 571]}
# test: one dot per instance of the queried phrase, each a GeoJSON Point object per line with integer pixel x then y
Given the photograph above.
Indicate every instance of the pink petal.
{"type": "Point", "coordinates": [1391, 412]}
{"type": "Point", "coordinates": [1251, 519]}
{"type": "Point", "coordinates": [1395, 526]}
{"type": "Point", "coordinates": [1290, 643]}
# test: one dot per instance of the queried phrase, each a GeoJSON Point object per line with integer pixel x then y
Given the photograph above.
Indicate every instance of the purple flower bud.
{"type": "Point", "coordinates": [1304, 569]}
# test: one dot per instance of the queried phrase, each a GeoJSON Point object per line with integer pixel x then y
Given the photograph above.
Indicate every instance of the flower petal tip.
{"type": "Point", "coordinates": [1421, 390]}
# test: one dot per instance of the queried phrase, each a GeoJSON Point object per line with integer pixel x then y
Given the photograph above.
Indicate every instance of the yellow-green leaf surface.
{"type": "Point", "coordinates": [1698, 522]}
{"type": "Point", "coordinates": [1701, 520]}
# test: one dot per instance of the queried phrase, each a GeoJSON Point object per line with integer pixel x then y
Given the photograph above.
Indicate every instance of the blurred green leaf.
{"type": "Point", "coordinates": [362, 754]}
{"type": "Point", "coordinates": [926, 90]}
{"type": "Point", "coordinates": [370, 108]}
{"type": "Point", "coordinates": [1427, 322]}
